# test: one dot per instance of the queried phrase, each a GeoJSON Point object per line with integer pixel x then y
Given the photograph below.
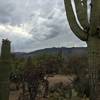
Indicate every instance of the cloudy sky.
{"type": "Point", "coordinates": [35, 24]}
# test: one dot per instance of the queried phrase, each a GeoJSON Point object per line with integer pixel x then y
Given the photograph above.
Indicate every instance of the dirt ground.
{"type": "Point", "coordinates": [66, 80]}
{"type": "Point", "coordinates": [14, 95]}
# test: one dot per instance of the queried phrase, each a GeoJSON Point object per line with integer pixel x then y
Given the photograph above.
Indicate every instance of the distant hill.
{"type": "Point", "coordinates": [66, 52]}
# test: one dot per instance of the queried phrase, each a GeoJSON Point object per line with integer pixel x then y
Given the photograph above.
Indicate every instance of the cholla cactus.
{"type": "Point", "coordinates": [5, 68]}
{"type": "Point", "coordinates": [89, 31]}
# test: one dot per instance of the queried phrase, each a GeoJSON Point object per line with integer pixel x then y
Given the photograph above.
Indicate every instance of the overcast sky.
{"type": "Point", "coordinates": [35, 24]}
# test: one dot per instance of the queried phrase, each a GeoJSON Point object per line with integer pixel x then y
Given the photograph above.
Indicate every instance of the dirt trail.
{"type": "Point", "coordinates": [66, 80]}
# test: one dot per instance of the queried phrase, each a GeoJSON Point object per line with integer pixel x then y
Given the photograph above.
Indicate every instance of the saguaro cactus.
{"type": "Point", "coordinates": [89, 31]}
{"type": "Point", "coordinates": [5, 66]}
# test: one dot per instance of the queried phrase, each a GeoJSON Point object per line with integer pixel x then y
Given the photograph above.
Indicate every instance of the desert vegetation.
{"type": "Point", "coordinates": [50, 77]}
{"type": "Point", "coordinates": [44, 77]}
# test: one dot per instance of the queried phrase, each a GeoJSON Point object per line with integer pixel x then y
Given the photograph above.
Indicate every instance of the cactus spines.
{"type": "Point", "coordinates": [5, 68]}
{"type": "Point", "coordinates": [89, 32]}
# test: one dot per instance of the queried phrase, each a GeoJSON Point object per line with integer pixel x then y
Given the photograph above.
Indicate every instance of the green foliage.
{"type": "Point", "coordinates": [49, 63]}
{"type": "Point", "coordinates": [78, 65]}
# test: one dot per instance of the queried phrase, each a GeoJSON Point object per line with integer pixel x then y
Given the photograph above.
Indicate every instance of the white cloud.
{"type": "Point", "coordinates": [14, 30]}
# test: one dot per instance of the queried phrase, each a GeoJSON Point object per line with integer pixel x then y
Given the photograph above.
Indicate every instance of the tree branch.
{"type": "Point", "coordinates": [73, 23]}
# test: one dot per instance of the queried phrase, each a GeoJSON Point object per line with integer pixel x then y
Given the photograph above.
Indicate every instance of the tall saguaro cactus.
{"type": "Point", "coordinates": [5, 66]}
{"type": "Point", "coordinates": [88, 31]}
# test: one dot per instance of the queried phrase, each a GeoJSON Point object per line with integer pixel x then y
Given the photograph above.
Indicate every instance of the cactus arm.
{"type": "Point", "coordinates": [81, 10]}
{"type": "Point", "coordinates": [73, 23]}
{"type": "Point", "coordinates": [95, 18]}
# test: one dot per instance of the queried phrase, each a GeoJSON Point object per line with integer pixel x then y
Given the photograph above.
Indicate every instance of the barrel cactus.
{"type": "Point", "coordinates": [88, 30]}
{"type": "Point", "coordinates": [5, 67]}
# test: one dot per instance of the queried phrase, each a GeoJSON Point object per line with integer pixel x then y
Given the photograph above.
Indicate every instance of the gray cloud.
{"type": "Point", "coordinates": [35, 24]}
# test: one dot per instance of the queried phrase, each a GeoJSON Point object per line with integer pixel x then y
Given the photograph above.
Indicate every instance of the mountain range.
{"type": "Point", "coordinates": [66, 52]}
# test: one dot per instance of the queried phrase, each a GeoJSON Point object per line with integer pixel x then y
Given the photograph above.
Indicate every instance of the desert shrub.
{"type": "Point", "coordinates": [60, 92]}
{"type": "Point", "coordinates": [82, 87]}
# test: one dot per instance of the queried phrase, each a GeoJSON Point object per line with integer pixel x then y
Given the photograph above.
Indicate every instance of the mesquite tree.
{"type": "Point", "coordinates": [89, 31]}
{"type": "Point", "coordinates": [5, 68]}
